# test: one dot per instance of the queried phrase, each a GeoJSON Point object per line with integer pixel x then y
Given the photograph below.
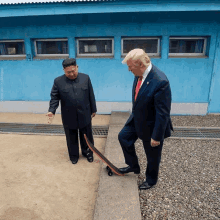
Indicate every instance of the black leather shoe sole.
{"type": "Point", "coordinates": [74, 161]}
{"type": "Point", "coordinates": [136, 171]}
{"type": "Point", "coordinates": [145, 186]}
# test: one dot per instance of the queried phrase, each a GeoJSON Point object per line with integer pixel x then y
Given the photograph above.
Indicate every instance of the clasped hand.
{"type": "Point", "coordinates": [154, 143]}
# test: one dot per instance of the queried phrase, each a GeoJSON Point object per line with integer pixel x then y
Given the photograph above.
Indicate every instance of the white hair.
{"type": "Point", "coordinates": [137, 54]}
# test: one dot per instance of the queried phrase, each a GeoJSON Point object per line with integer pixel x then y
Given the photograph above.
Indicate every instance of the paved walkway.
{"type": "Point", "coordinates": [118, 196]}
{"type": "Point", "coordinates": [39, 182]}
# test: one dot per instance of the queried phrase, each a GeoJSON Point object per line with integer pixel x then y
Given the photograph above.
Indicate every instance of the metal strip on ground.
{"type": "Point", "coordinates": [44, 129]}
{"type": "Point", "coordinates": [206, 133]}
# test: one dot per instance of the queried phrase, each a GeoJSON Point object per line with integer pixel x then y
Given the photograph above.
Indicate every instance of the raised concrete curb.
{"type": "Point", "coordinates": [118, 196]}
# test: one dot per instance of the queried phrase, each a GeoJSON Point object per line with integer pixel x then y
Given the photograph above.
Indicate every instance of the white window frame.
{"type": "Point", "coordinates": [12, 56]}
{"type": "Point", "coordinates": [50, 55]}
{"type": "Point", "coordinates": [189, 54]}
{"type": "Point", "coordinates": [95, 54]}
{"type": "Point", "coordinates": [142, 38]}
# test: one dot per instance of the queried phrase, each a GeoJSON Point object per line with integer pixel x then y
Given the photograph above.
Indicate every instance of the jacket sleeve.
{"type": "Point", "coordinates": [162, 102]}
{"type": "Point", "coordinates": [55, 97]}
{"type": "Point", "coordinates": [92, 98]}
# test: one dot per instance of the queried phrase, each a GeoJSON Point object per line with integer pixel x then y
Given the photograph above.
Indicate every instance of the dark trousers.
{"type": "Point", "coordinates": [127, 138]}
{"type": "Point", "coordinates": [73, 144]}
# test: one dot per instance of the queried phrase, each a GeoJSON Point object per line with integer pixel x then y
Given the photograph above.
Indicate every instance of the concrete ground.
{"type": "Point", "coordinates": [38, 181]}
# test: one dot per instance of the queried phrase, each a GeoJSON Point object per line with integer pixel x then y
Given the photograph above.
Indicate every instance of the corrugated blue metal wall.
{"type": "Point", "coordinates": [192, 79]}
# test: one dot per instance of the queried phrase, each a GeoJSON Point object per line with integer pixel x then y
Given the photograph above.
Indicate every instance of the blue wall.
{"type": "Point", "coordinates": [214, 97]}
{"type": "Point", "coordinates": [191, 78]}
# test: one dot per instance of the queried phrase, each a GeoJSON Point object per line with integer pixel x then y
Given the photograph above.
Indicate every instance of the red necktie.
{"type": "Point", "coordinates": [138, 86]}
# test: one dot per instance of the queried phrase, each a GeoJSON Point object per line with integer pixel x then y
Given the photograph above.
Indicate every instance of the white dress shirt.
{"type": "Point", "coordinates": [146, 73]}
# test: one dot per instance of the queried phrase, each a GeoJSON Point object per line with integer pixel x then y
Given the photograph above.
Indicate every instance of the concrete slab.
{"type": "Point", "coordinates": [118, 196]}
{"type": "Point", "coordinates": [37, 179]}
{"type": "Point", "coordinates": [119, 118]}
{"type": "Point", "coordinates": [113, 151]}
{"type": "Point", "coordinates": [39, 182]}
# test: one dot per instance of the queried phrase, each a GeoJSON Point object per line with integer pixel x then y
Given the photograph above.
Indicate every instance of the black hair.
{"type": "Point", "coordinates": [69, 62]}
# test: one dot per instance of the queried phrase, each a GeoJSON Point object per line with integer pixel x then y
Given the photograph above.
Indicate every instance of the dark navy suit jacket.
{"type": "Point", "coordinates": [151, 110]}
{"type": "Point", "coordinates": [77, 100]}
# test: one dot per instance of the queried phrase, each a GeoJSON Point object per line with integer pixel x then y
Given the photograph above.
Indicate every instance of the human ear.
{"type": "Point", "coordinates": [147, 59]}
{"type": "Point", "coordinates": [141, 64]}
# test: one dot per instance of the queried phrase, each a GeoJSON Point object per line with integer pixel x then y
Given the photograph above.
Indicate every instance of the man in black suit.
{"type": "Point", "coordinates": [150, 118]}
{"type": "Point", "coordinates": [78, 107]}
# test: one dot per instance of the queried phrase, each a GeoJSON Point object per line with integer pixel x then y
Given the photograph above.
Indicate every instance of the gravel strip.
{"type": "Point", "coordinates": [189, 180]}
{"type": "Point", "coordinates": [196, 121]}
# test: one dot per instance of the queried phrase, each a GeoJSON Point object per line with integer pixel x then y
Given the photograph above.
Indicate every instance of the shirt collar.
{"type": "Point", "coordinates": [72, 80]}
{"type": "Point", "coordinates": [146, 72]}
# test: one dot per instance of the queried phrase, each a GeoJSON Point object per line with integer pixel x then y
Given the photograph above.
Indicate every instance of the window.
{"type": "Point", "coordinates": [150, 45]}
{"type": "Point", "coordinates": [12, 48]}
{"type": "Point", "coordinates": [187, 46]}
{"type": "Point", "coordinates": [51, 47]}
{"type": "Point", "coordinates": [95, 47]}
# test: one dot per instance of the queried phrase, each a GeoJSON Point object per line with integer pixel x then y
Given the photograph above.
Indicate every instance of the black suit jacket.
{"type": "Point", "coordinates": [77, 100]}
{"type": "Point", "coordinates": [151, 110]}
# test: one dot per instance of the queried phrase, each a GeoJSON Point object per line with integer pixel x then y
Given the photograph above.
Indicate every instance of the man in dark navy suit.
{"type": "Point", "coordinates": [78, 107]}
{"type": "Point", "coordinates": [150, 118]}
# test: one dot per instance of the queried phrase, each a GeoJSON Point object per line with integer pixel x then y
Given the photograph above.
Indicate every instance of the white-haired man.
{"type": "Point", "coordinates": [150, 118]}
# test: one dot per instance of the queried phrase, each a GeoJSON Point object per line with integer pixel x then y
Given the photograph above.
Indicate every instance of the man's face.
{"type": "Point", "coordinates": [71, 72]}
{"type": "Point", "coordinates": [135, 67]}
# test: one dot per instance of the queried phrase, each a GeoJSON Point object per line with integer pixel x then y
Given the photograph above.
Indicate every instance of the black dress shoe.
{"type": "Point", "coordinates": [74, 160]}
{"type": "Point", "coordinates": [129, 169]}
{"type": "Point", "coordinates": [145, 185]}
{"type": "Point", "coordinates": [90, 158]}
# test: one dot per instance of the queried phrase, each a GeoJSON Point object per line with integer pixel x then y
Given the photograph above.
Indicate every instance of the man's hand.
{"type": "Point", "coordinates": [50, 117]}
{"type": "Point", "coordinates": [154, 143]}
{"type": "Point", "coordinates": [93, 114]}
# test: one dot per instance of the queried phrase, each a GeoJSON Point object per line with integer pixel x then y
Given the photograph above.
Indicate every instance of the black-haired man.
{"type": "Point", "coordinates": [78, 106]}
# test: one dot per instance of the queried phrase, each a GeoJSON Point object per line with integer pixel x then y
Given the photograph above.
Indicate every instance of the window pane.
{"type": "Point", "coordinates": [52, 47]}
{"type": "Point", "coordinates": [12, 48]}
{"type": "Point", "coordinates": [186, 45]}
{"type": "Point", "coordinates": [148, 45]}
{"type": "Point", "coordinates": [95, 46]}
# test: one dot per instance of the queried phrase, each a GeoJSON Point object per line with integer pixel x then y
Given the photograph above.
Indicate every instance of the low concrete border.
{"type": "Point", "coordinates": [102, 107]}
{"type": "Point", "coordinates": [118, 196]}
